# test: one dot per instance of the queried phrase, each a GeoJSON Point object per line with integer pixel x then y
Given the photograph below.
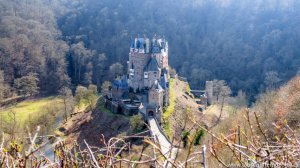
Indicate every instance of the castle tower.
{"type": "Point", "coordinates": [155, 95]}
{"type": "Point", "coordinates": [152, 72]}
{"type": "Point", "coordinates": [138, 59]}
{"type": "Point", "coordinates": [209, 92]}
{"type": "Point", "coordinates": [156, 100]}
{"type": "Point", "coordinates": [142, 69]}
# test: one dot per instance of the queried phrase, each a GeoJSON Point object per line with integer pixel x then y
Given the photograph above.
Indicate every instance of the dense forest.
{"type": "Point", "coordinates": [57, 55]}
{"type": "Point", "coordinates": [32, 55]}
{"type": "Point", "coordinates": [252, 45]}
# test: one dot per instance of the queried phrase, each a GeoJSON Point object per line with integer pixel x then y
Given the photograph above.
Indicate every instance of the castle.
{"type": "Point", "coordinates": [148, 62]}
{"type": "Point", "coordinates": [147, 78]}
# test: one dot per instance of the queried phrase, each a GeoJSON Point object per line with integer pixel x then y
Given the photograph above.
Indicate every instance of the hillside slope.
{"type": "Point", "coordinates": [274, 120]}
{"type": "Point", "coordinates": [186, 111]}
{"type": "Point", "coordinates": [94, 126]}
{"type": "Point", "coordinates": [182, 106]}
{"type": "Point", "coordinates": [283, 104]}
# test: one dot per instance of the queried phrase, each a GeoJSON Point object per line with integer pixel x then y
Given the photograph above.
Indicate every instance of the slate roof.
{"type": "Point", "coordinates": [132, 44]}
{"type": "Point", "coordinates": [140, 43]}
{"type": "Point", "coordinates": [152, 65]}
{"type": "Point", "coordinates": [164, 71]}
{"type": "Point", "coordinates": [157, 87]}
{"type": "Point", "coordinates": [120, 83]}
{"type": "Point", "coordinates": [164, 82]}
{"type": "Point", "coordinates": [153, 46]}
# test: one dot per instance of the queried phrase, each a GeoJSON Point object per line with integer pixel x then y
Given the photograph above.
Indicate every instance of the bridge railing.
{"type": "Point", "coordinates": [162, 132]}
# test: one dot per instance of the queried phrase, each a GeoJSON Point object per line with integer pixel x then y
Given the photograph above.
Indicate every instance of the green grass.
{"type": "Point", "coordinates": [167, 128]}
{"type": "Point", "coordinates": [110, 113]}
{"type": "Point", "coordinates": [30, 108]}
{"type": "Point", "coordinates": [188, 89]}
{"type": "Point", "coordinates": [84, 103]}
{"type": "Point", "coordinates": [169, 110]}
{"type": "Point", "coordinates": [105, 110]}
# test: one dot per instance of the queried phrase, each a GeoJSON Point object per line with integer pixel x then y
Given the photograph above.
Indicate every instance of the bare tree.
{"type": "Point", "coordinates": [11, 125]}
{"type": "Point", "coordinates": [27, 85]}
{"type": "Point", "coordinates": [91, 96]}
{"type": "Point", "coordinates": [271, 80]}
{"type": "Point", "coordinates": [224, 93]}
{"type": "Point", "coordinates": [241, 99]}
{"type": "Point", "coordinates": [217, 88]}
{"type": "Point", "coordinates": [66, 95]}
{"type": "Point", "coordinates": [81, 57]}
{"type": "Point", "coordinates": [86, 96]}
{"type": "Point", "coordinates": [105, 87]}
{"type": "Point", "coordinates": [116, 69]}
{"type": "Point", "coordinates": [2, 85]}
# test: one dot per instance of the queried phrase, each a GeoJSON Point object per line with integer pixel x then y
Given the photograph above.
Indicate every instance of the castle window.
{"type": "Point", "coordinates": [146, 75]}
{"type": "Point", "coordinates": [131, 72]}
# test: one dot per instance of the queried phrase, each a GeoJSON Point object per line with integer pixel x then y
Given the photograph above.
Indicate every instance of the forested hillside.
{"type": "Point", "coordinates": [253, 45]}
{"type": "Point", "coordinates": [57, 55]}
{"type": "Point", "coordinates": [32, 55]}
{"type": "Point", "coordinates": [250, 44]}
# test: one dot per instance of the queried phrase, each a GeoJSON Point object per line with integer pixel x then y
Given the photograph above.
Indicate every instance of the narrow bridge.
{"type": "Point", "coordinates": [167, 148]}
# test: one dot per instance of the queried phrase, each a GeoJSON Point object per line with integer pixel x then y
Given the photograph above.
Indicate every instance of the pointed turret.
{"type": "Point", "coordinates": [131, 45]}
{"type": "Point", "coordinates": [156, 87]}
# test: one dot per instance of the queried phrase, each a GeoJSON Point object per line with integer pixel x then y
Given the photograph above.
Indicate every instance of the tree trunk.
{"type": "Point", "coordinates": [66, 115]}
{"type": "Point", "coordinates": [223, 98]}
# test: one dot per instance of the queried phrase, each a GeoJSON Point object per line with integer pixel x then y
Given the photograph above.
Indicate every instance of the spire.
{"type": "Point", "coordinates": [156, 86]}
{"type": "Point", "coordinates": [147, 42]}
{"type": "Point", "coordinates": [135, 43]}
{"type": "Point", "coordinates": [131, 43]}
{"type": "Point", "coordinates": [154, 39]}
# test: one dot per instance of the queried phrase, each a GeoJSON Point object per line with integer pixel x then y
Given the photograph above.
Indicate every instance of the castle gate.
{"type": "Point", "coordinates": [150, 113]}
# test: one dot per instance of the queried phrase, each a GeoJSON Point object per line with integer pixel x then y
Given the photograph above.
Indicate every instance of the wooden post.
{"type": "Point", "coordinates": [239, 139]}
{"type": "Point", "coordinates": [54, 157]}
{"type": "Point", "coordinates": [203, 156]}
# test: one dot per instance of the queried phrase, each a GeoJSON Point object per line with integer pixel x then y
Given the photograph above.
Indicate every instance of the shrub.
{"type": "Point", "coordinates": [184, 137]}
{"type": "Point", "coordinates": [136, 123]}
{"type": "Point", "coordinates": [198, 136]}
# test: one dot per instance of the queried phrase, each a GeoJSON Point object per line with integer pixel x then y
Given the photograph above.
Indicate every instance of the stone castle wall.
{"type": "Point", "coordinates": [139, 61]}
{"type": "Point", "coordinates": [152, 76]}
{"type": "Point", "coordinates": [209, 92]}
{"type": "Point", "coordinates": [156, 98]}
